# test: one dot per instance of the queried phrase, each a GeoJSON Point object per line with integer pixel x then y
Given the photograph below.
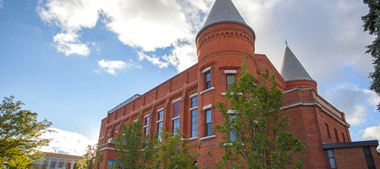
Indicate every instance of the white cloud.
{"type": "Point", "coordinates": [149, 25]}
{"type": "Point", "coordinates": [372, 132]}
{"type": "Point", "coordinates": [355, 102]}
{"type": "Point", "coordinates": [71, 16]}
{"type": "Point", "coordinates": [68, 44]}
{"type": "Point", "coordinates": [111, 66]}
{"type": "Point", "coordinates": [144, 24]}
{"type": "Point", "coordinates": [1, 3]}
{"type": "Point", "coordinates": [66, 142]}
{"type": "Point", "coordinates": [153, 59]}
{"type": "Point", "coordinates": [323, 33]}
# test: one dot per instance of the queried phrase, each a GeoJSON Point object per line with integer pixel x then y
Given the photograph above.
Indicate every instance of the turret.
{"type": "Point", "coordinates": [294, 73]}
{"type": "Point", "coordinates": [225, 31]}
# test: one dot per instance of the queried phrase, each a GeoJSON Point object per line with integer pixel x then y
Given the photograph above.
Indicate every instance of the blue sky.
{"type": "Point", "coordinates": [73, 60]}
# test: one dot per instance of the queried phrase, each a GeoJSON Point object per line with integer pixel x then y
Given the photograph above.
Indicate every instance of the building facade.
{"type": "Point", "coordinates": [56, 161]}
{"type": "Point", "coordinates": [187, 100]}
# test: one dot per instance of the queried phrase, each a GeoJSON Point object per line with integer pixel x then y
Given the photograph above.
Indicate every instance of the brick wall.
{"type": "Point", "coordinates": [220, 48]}
{"type": "Point", "coordinates": [354, 157]}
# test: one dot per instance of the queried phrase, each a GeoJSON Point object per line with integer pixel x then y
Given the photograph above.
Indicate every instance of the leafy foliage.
{"type": "Point", "coordinates": [175, 152]}
{"type": "Point", "coordinates": [372, 24]}
{"type": "Point", "coordinates": [19, 135]}
{"type": "Point", "coordinates": [91, 159]}
{"type": "Point", "coordinates": [134, 150]}
{"type": "Point", "coordinates": [252, 114]}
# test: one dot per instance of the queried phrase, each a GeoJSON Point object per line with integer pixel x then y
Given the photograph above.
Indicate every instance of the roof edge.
{"type": "Point", "coordinates": [351, 144]}
{"type": "Point", "coordinates": [245, 25]}
{"type": "Point", "coordinates": [129, 100]}
{"type": "Point", "coordinates": [312, 80]}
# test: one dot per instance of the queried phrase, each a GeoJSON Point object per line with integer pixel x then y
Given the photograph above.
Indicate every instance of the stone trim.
{"type": "Point", "coordinates": [193, 108]}
{"type": "Point", "coordinates": [176, 100]}
{"type": "Point", "coordinates": [193, 95]}
{"type": "Point", "coordinates": [206, 69]}
{"type": "Point", "coordinates": [174, 118]}
{"type": "Point", "coordinates": [207, 137]}
{"type": "Point", "coordinates": [160, 109]}
{"type": "Point", "coordinates": [207, 107]}
{"type": "Point", "coordinates": [107, 148]}
{"type": "Point", "coordinates": [315, 104]}
{"type": "Point", "coordinates": [230, 71]}
{"type": "Point", "coordinates": [209, 89]}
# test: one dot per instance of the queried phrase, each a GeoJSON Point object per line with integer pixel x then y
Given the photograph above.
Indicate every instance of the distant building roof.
{"type": "Point", "coordinates": [60, 155]}
{"type": "Point", "coordinates": [224, 11]}
{"type": "Point", "coordinates": [124, 103]}
{"type": "Point", "coordinates": [292, 69]}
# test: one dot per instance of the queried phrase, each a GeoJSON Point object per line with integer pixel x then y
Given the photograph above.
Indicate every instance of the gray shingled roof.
{"type": "Point", "coordinates": [292, 69]}
{"type": "Point", "coordinates": [224, 11]}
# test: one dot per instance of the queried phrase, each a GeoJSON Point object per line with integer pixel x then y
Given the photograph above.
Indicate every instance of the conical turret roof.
{"type": "Point", "coordinates": [292, 69]}
{"type": "Point", "coordinates": [224, 11]}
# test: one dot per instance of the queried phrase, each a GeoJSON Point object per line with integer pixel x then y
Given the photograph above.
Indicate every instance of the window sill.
{"type": "Point", "coordinates": [209, 89]}
{"type": "Point", "coordinates": [193, 108]}
{"type": "Point", "coordinates": [227, 144]}
{"type": "Point", "coordinates": [193, 138]}
{"type": "Point", "coordinates": [230, 144]}
{"type": "Point", "coordinates": [207, 137]}
{"type": "Point", "coordinates": [232, 93]}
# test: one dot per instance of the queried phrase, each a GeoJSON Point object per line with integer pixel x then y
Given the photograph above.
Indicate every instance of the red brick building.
{"type": "Point", "coordinates": [187, 100]}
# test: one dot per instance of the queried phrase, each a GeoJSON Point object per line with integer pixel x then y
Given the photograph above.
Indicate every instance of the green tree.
{"type": "Point", "coordinates": [372, 24]}
{"type": "Point", "coordinates": [92, 158]}
{"type": "Point", "coordinates": [19, 135]}
{"type": "Point", "coordinates": [256, 132]}
{"type": "Point", "coordinates": [133, 149]}
{"type": "Point", "coordinates": [175, 152]}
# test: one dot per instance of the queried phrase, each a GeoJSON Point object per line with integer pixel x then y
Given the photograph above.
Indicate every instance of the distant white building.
{"type": "Point", "coordinates": [56, 161]}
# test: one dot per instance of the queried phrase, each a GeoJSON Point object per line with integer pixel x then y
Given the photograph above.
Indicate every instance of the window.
{"type": "Point", "coordinates": [344, 138]}
{"type": "Point", "coordinates": [194, 116]}
{"type": "Point", "coordinates": [175, 126]}
{"type": "Point", "coordinates": [331, 159]}
{"type": "Point", "coordinates": [45, 163]}
{"type": "Point", "coordinates": [53, 162]}
{"type": "Point", "coordinates": [368, 158]}
{"type": "Point", "coordinates": [208, 122]}
{"type": "Point", "coordinates": [328, 131]}
{"type": "Point", "coordinates": [194, 123]}
{"type": "Point", "coordinates": [61, 163]}
{"type": "Point", "coordinates": [111, 164]}
{"type": "Point", "coordinates": [194, 101]}
{"type": "Point", "coordinates": [230, 79]}
{"type": "Point", "coordinates": [159, 123]}
{"type": "Point", "coordinates": [176, 108]}
{"type": "Point", "coordinates": [176, 115]}
{"type": "Point", "coordinates": [160, 115]}
{"type": "Point", "coordinates": [232, 132]}
{"type": "Point", "coordinates": [208, 79]}
{"type": "Point", "coordinates": [159, 130]}
{"type": "Point", "coordinates": [147, 120]}
{"type": "Point", "coordinates": [336, 135]}
{"type": "Point", "coordinates": [146, 125]}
